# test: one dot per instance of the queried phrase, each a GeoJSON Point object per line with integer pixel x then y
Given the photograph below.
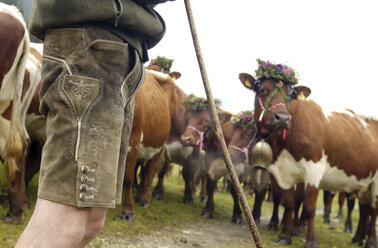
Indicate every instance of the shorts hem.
{"type": "Point", "coordinates": [58, 199]}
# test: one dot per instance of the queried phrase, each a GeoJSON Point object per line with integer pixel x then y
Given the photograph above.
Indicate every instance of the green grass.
{"type": "Point", "coordinates": [171, 212]}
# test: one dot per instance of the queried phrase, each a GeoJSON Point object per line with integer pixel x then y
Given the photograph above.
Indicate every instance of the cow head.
{"type": "Point", "coordinates": [174, 75]}
{"type": "Point", "coordinates": [272, 96]}
{"type": "Point", "coordinates": [243, 138]}
{"type": "Point", "coordinates": [198, 121]}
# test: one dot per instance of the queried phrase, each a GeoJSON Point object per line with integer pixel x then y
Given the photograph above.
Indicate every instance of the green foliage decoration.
{"type": "Point", "coordinates": [197, 103]}
{"type": "Point", "coordinates": [164, 62]}
{"type": "Point", "coordinates": [278, 72]}
{"type": "Point", "coordinates": [242, 119]}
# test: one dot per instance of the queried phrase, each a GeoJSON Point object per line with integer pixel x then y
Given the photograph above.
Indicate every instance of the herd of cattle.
{"type": "Point", "coordinates": [309, 150]}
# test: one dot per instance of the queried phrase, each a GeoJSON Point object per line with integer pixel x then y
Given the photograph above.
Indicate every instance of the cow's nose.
{"type": "Point", "coordinates": [282, 120]}
{"type": "Point", "coordinates": [186, 139]}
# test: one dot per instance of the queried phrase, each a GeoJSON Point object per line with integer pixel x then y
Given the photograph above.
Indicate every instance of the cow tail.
{"type": "Point", "coordinates": [13, 151]}
{"type": "Point", "coordinates": [14, 146]}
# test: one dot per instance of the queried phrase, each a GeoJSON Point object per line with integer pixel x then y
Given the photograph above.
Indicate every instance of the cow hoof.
{"type": "Point", "coordinates": [357, 241]}
{"type": "Point", "coordinates": [157, 195]}
{"type": "Point", "coordinates": [371, 243]}
{"type": "Point", "coordinates": [339, 216]}
{"type": "Point", "coordinates": [311, 244]}
{"type": "Point", "coordinates": [348, 229]}
{"type": "Point", "coordinates": [327, 222]}
{"type": "Point", "coordinates": [188, 200]}
{"type": "Point", "coordinates": [202, 198]}
{"type": "Point", "coordinates": [11, 218]}
{"type": "Point", "coordinates": [272, 227]}
{"type": "Point", "coordinates": [283, 241]}
{"type": "Point", "coordinates": [127, 217]}
{"type": "Point", "coordinates": [237, 219]}
{"type": "Point", "coordinates": [144, 204]}
{"type": "Point", "coordinates": [207, 214]}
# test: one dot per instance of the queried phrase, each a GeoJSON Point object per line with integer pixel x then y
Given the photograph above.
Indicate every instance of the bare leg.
{"type": "Point", "coordinates": [55, 225]}
{"type": "Point", "coordinates": [95, 223]}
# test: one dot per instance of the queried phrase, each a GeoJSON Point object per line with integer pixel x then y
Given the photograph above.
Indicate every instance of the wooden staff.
{"type": "Point", "coordinates": [219, 133]}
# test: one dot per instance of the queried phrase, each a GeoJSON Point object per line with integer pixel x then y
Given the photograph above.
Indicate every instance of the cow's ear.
{"type": "Point", "coordinates": [224, 115]}
{"type": "Point", "coordinates": [247, 80]}
{"type": "Point", "coordinates": [300, 92]}
{"type": "Point", "coordinates": [175, 75]}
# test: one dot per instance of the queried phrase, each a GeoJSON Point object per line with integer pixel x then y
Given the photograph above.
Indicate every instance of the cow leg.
{"type": "Point", "coordinates": [158, 191]}
{"type": "Point", "coordinates": [209, 208]}
{"type": "Point", "coordinates": [362, 224]}
{"type": "Point", "coordinates": [341, 199]}
{"type": "Point", "coordinates": [188, 175]}
{"type": "Point", "coordinates": [236, 216]}
{"type": "Point", "coordinates": [309, 205]}
{"type": "Point", "coordinates": [276, 195]}
{"type": "Point", "coordinates": [131, 161]}
{"type": "Point", "coordinates": [203, 192]}
{"type": "Point", "coordinates": [371, 242]}
{"type": "Point", "coordinates": [269, 198]}
{"type": "Point", "coordinates": [135, 183]}
{"type": "Point", "coordinates": [327, 199]}
{"type": "Point", "coordinates": [348, 222]}
{"type": "Point", "coordinates": [17, 194]}
{"type": "Point", "coordinates": [299, 197]}
{"type": "Point", "coordinates": [259, 198]}
{"type": "Point", "coordinates": [144, 192]}
{"type": "Point", "coordinates": [288, 201]}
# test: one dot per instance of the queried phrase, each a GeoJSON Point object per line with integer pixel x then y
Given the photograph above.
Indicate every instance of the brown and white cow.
{"type": "Point", "coordinates": [337, 151]}
{"type": "Point", "coordinates": [240, 148]}
{"type": "Point", "coordinates": [199, 134]}
{"type": "Point", "coordinates": [157, 118]}
{"type": "Point", "coordinates": [19, 77]}
{"type": "Point", "coordinates": [175, 152]}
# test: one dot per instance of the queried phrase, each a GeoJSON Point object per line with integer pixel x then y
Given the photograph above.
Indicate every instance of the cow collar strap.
{"type": "Point", "coordinates": [244, 150]}
{"type": "Point", "coordinates": [199, 142]}
{"type": "Point", "coordinates": [267, 106]}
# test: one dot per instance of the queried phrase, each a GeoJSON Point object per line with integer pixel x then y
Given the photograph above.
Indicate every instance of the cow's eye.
{"type": "Point", "coordinates": [262, 91]}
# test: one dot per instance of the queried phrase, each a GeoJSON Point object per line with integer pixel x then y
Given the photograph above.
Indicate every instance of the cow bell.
{"type": "Point", "coordinates": [262, 155]}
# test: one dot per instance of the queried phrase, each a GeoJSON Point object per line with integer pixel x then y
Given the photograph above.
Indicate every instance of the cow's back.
{"type": "Point", "coordinates": [152, 115]}
{"type": "Point", "coordinates": [338, 150]}
{"type": "Point", "coordinates": [13, 29]}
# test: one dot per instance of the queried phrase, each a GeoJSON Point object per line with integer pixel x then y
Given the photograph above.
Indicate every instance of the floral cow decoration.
{"type": "Point", "coordinates": [197, 104]}
{"type": "Point", "coordinates": [242, 119]}
{"type": "Point", "coordinates": [281, 75]}
{"type": "Point", "coordinates": [163, 62]}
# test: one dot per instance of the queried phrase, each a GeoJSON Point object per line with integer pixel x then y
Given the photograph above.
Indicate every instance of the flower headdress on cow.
{"type": "Point", "coordinates": [242, 119]}
{"type": "Point", "coordinates": [163, 62]}
{"type": "Point", "coordinates": [277, 72]}
{"type": "Point", "coordinates": [197, 103]}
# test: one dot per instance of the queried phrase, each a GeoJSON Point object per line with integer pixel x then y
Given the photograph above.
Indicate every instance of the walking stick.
{"type": "Point", "coordinates": [219, 134]}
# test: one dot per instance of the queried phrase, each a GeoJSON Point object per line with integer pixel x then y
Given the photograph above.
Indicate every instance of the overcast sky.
{"type": "Point", "coordinates": [332, 44]}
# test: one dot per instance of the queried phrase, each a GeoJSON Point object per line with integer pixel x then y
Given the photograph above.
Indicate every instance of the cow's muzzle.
{"type": "Point", "coordinates": [282, 120]}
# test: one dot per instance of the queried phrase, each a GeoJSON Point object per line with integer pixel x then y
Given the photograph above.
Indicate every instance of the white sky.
{"type": "Point", "coordinates": [332, 44]}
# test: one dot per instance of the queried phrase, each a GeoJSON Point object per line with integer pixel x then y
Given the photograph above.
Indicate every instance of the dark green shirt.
{"type": "Point", "coordinates": [136, 22]}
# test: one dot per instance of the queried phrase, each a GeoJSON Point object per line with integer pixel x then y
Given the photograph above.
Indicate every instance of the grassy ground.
{"type": "Point", "coordinates": [169, 217]}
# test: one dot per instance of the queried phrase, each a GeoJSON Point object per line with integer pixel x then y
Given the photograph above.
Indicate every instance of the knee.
{"type": "Point", "coordinates": [309, 210]}
{"type": "Point", "coordinates": [93, 228]}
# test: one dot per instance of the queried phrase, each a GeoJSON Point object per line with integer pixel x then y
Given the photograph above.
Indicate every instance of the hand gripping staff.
{"type": "Point", "coordinates": [219, 134]}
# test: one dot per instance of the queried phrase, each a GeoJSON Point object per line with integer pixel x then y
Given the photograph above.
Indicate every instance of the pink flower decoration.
{"type": "Point", "coordinates": [287, 71]}
{"type": "Point", "coordinates": [247, 118]}
{"type": "Point", "coordinates": [268, 64]}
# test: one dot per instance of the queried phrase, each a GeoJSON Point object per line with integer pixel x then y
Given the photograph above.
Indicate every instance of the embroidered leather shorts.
{"type": "Point", "coordinates": [90, 77]}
